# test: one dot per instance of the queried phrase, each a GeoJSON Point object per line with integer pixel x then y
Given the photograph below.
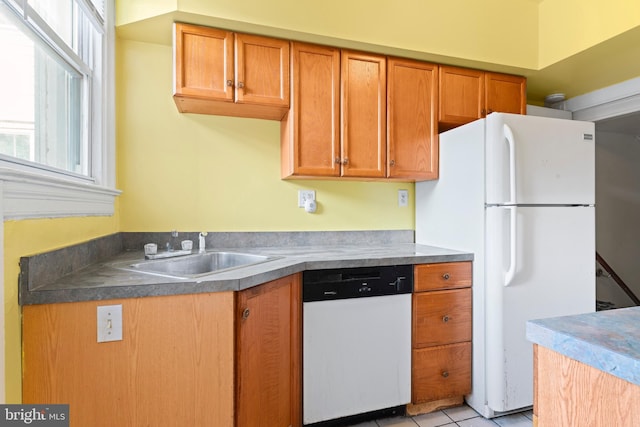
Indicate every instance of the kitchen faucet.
{"type": "Point", "coordinates": [201, 242]}
{"type": "Point", "coordinates": [174, 233]}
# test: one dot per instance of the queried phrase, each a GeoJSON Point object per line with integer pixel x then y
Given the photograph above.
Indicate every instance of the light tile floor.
{"type": "Point", "coordinates": [461, 416]}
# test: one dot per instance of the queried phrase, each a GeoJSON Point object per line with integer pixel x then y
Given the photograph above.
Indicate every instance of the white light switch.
{"type": "Point", "coordinates": [110, 323]}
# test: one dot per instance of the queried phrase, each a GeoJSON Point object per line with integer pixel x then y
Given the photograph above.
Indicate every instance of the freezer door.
{"type": "Point", "coordinates": [539, 160]}
{"type": "Point", "coordinates": [552, 258]}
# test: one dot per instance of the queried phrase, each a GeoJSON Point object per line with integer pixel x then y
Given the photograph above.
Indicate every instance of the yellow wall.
{"type": "Point", "coordinates": [454, 29]}
{"type": "Point", "coordinates": [198, 172]}
{"type": "Point", "coordinates": [568, 27]}
{"type": "Point", "coordinates": [28, 237]}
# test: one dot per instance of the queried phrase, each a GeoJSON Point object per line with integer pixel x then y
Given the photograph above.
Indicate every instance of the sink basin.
{"type": "Point", "coordinates": [191, 266]}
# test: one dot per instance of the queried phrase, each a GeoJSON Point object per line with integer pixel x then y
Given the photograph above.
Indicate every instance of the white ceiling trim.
{"type": "Point", "coordinates": [612, 101]}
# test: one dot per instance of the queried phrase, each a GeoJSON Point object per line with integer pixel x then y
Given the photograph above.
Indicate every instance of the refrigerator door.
{"type": "Point", "coordinates": [551, 255]}
{"type": "Point", "coordinates": [539, 160]}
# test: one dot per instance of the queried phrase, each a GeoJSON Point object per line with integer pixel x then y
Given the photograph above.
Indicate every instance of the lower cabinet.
{"type": "Point", "coordinates": [441, 336]}
{"type": "Point", "coordinates": [219, 359]}
{"type": "Point", "coordinates": [268, 360]}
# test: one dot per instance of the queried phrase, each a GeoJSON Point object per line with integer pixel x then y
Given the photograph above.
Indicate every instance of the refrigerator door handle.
{"type": "Point", "coordinates": [508, 134]}
{"type": "Point", "coordinates": [511, 272]}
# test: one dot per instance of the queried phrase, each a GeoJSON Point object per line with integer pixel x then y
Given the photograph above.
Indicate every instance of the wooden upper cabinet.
{"type": "Point", "coordinates": [363, 114]}
{"type": "Point", "coordinates": [262, 70]}
{"type": "Point", "coordinates": [229, 74]}
{"type": "Point", "coordinates": [412, 131]}
{"type": "Point", "coordinates": [505, 93]}
{"type": "Point", "coordinates": [310, 132]}
{"type": "Point", "coordinates": [461, 95]}
{"type": "Point", "coordinates": [467, 95]}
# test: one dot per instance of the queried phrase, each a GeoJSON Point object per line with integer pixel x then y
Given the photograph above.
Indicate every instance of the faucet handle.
{"type": "Point", "coordinates": [174, 233]}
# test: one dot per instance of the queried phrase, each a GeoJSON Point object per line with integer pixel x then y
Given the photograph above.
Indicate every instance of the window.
{"type": "Point", "coordinates": [55, 92]}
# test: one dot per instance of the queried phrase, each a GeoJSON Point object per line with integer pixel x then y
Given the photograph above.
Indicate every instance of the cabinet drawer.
{"type": "Point", "coordinates": [441, 372]}
{"type": "Point", "coordinates": [428, 277]}
{"type": "Point", "coordinates": [441, 317]}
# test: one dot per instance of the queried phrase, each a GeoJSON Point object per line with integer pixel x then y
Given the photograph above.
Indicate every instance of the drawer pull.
{"type": "Point", "coordinates": [445, 374]}
{"type": "Point", "coordinates": [446, 276]}
{"type": "Point", "coordinates": [245, 313]}
{"type": "Point", "coordinates": [445, 319]}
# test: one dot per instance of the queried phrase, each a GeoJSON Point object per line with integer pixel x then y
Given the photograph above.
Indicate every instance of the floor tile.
{"type": "Point", "coordinates": [366, 424]}
{"type": "Point", "coordinates": [514, 420]}
{"type": "Point", "coordinates": [476, 422]}
{"type": "Point", "coordinates": [396, 422]}
{"type": "Point", "coordinates": [460, 413]}
{"type": "Point", "coordinates": [434, 419]}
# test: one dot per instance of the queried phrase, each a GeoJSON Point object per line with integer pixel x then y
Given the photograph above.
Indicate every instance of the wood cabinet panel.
{"type": "Point", "coordinates": [412, 131]}
{"type": "Point", "coordinates": [204, 63]}
{"type": "Point", "coordinates": [461, 95]}
{"type": "Point", "coordinates": [467, 95]}
{"type": "Point", "coordinates": [441, 372]}
{"type": "Point", "coordinates": [268, 354]}
{"type": "Point", "coordinates": [441, 335]}
{"type": "Point", "coordinates": [229, 74]}
{"type": "Point", "coordinates": [441, 317]}
{"type": "Point", "coordinates": [175, 361]}
{"type": "Point", "coordinates": [449, 275]}
{"type": "Point", "coordinates": [566, 390]}
{"type": "Point", "coordinates": [505, 93]}
{"type": "Point", "coordinates": [310, 132]}
{"type": "Point", "coordinates": [262, 70]}
{"type": "Point", "coordinates": [363, 115]}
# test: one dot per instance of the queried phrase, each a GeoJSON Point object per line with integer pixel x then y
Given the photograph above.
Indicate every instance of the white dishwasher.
{"type": "Point", "coordinates": [356, 341]}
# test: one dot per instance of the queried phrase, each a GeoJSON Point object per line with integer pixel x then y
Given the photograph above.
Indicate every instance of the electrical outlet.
{"type": "Point", "coordinates": [110, 323]}
{"type": "Point", "coordinates": [304, 195]}
{"type": "Point", "coordinates": [403, 198]}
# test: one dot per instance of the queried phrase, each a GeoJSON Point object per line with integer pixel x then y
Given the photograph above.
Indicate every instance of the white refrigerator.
{"type": "Point", "coordinates": [517, 191]}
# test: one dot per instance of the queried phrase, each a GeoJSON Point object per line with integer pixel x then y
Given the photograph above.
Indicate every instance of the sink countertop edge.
{"type": "Point", "coordinates": [104, 282]}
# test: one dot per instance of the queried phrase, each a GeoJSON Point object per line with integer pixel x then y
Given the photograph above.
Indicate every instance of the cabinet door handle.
{"type": "Point", "coordinates": [240, 85]}
{"type": "Point", "coordinates": [446, 276]}
{"type": "Point", "coordinates": [338, 161]}
{"type": "Point", "coordinates": [345, 161]}
{"type": "Point", "coordinates": [445, 374]}
{"type": "Point", "coordinates": [392, 163]}
{"type": "Point", "coordinates": [229, 83]}
{"type": "Point", "coordinates": [483, 112]}
{"type": "Point", "coordinates": [445, 319]}
{"type": "Point", "coordinates": [245, 313]}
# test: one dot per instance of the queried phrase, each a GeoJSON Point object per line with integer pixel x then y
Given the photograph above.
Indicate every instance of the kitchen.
{"type": "Point", "coordinates": [231, 165]}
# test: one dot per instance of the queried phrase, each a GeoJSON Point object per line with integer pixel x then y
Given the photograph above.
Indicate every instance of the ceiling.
{"type": "Point", "coordinates": [628, 124]}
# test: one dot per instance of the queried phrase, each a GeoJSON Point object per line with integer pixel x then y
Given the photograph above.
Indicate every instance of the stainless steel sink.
{"type": "Point", "coordinates": [191, 266]}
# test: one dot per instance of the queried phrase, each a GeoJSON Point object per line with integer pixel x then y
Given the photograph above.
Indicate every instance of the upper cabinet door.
{"type": "Point", "coordinates": [219, 72]}
{"type": "Point", "coordinates": [363, 113]}
{"type": "Point", "coordinates": [203, 62]}
{"type": "Point", "coordinates": [412, 131]}
{"type": "Point", "coordinates": [505, 93]}
{"type": "Point", "coordinates": [310, 143]}
{"type": "Point", "coordinates": [262, 70]}
{"type": "Point", "coordinates": [461, 95]}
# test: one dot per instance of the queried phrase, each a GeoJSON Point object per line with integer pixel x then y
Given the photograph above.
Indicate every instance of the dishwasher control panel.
{"type": "Point", "coordinates": [343, 283]}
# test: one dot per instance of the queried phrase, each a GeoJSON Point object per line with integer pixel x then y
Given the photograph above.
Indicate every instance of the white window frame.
{"type": "Point", "coordinates": [39, 192]}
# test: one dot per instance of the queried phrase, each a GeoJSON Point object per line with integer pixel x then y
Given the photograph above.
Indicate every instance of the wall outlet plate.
{"type": "Point", "coordinates": [304, 195]}
{"type": "Point", "coordinates": [110, 323]}
{"type": "Point", "coordinates": [403, 198]}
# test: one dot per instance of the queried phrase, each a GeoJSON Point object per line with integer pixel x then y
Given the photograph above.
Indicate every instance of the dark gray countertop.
{"type": "Point", "coordinates": [102, 280]}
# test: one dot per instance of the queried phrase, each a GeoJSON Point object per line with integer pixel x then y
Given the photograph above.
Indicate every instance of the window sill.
{"type": "Point", "coordinates": [30, 195]}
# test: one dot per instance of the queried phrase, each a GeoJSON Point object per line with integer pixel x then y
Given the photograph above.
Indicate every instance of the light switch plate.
{"type": "Point", "coordinates": [110, 323]}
